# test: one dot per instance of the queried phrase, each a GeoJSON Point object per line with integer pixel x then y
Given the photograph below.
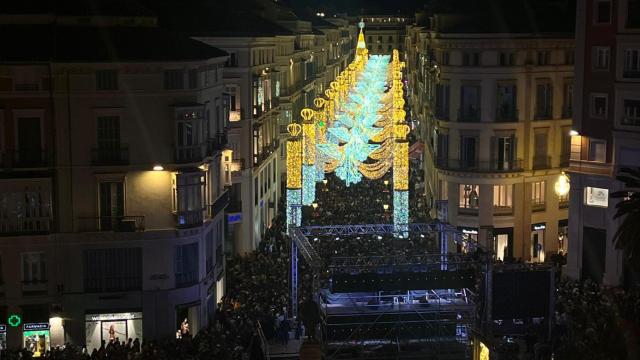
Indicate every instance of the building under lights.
{"type": "Point", "coordinates": [493, 108]}
{"type": "Point", "coordinates": [112, 202]}
{"type": "Point", "coordinates": [277, 65]}
{"type": "Point", "coordinates": [384, 33]}
{"type": "Point", "coordinates": [607, 121]}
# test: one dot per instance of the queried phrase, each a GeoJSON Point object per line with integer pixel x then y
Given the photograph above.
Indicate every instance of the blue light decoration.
{"type": "Point", "coordinates": [401, 213]}
{"type": "Point", "coordinates": [308, 184]}
{"type": "Point", "coordinates": [294, 207]}
{"type": "Point", "coordinates": [348, 138]}
{"type": "Point", "coordinates": [320, 159]}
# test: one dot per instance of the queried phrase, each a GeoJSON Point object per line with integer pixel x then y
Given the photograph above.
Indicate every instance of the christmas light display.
{"type": "Point", "coordinates": [294, 176]}
{"type": "Point", "coordinates": [308, 184]}
{"type": "Point", "coordinates": [294, 207]}
{"type": "Point", "coordinates": [401, 213]}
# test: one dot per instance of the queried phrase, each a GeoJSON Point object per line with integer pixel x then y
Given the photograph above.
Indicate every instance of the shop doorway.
{"type": "Point", "coordinates": [190, 313]}
{"type": "Point", "coordinates": [537, 242]}
{"type": "Point", "coordinates": [503, 243]}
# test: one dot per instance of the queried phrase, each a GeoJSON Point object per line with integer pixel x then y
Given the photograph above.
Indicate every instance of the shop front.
{"type": "Point", "coordinates": [36, 337]}
{"type": "Point", "coordinates": [503, 243]}
{"type": "Point", "coordinates": [3, 337]}
{"type": "Point", "coordinates": [563, 236]}
{"type": "Point", "coordinates": [537, 242]}
{"type": "Point", "coordinates": [112, 327]}
{"type": "Point", "coordinates": [471, 234]}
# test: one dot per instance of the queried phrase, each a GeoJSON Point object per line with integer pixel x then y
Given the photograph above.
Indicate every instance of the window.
{"type": "Point", "coordinates": [633, 14]}
{"type": "Point", "coordinates": [107, 80]}
{"type": "Point", "coordinates": [544, 57]}
{"type": "Point", "coordinates": [468, 151]}
{"type": "Point", "coordinates": [471, 59]}
{"type": "Point", "coordinates": [540, 143]}
{"type": "Point", "coordinates": [30, 152]}
{"type": "Point", "coordinates": [186, 264]}
{"type": "Point", "coordinates": [544, 101]}
{"type": "Point", "coordinates": [631, 112]}
{"type": "Point", "coordinates": [507, 58]}
{"type": "Point", "coordinates": [111, 204]}
{"type": "Point", "coordinates": [232, 60]}
{"type": "Point", "coordinates": [112, 269]}
{"type": "Point", "coordinates": [173, 79]}
{"type": "Point", "coordinates": [567, 107]}
{"type": "Point", "coordinates": [469, 103]}
{"type": "Point", "coordinates": [502, 197]}
{"type": "Point", "coordinates": [193, 78]}
{"type": "Point", "coordinates": [390, 38]}
{"type": "Point", "coordinates": [597, 150]}
{"type": "Point", "coordinates": [209, 251]}
{"type": "Point", "coordinates": [443, 148]}
{"type": "Point", "coordinates": [601, 55]}
{"type": "Point", "coordinates": [504, 152]}
{"type": "Point", "coordinates": [189, 194]}
{"type": "Point", "coordinates": [506, 107]}
{"type": "Point", "coordinates": [631, 67]}
{"type": "Point", "coordinates": [599, 105]}
{"type": "Point", "coordinates": [255, 192]}
{"type": "Point", "coordinates": [569, 57]}
{"type": "Point", "coordinates": [442, 100]}
{"type": "Point", "coordinates": [25, 206]}
{"type": "Point", "coordinates": [538, 196]}
{"type": "Point", "coordinates": [379, 39]}
{"type": "Point", "coordinates": [34, 267]}
{"type": "Point", "coordinates": [594, 196]}
{"type": "Point", "coordinates": [602, 12]}
{"type": "Point", "coordinates": [445, 58]}
{"type": "Point", "coordinates": [469, 197]}
{"type": "Point", "coordinates": [108, 132]}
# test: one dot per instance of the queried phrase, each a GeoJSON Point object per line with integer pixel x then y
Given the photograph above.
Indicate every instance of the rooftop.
{"type": "Point", "coordinates": [99, 44]}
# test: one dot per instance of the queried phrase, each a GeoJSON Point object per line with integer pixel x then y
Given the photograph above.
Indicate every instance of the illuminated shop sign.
{"type": "Point", "coordinates": [3, 328]}
{"type": "Point", "coordinates": [114, 316]}
{"type": "Point", "coordinates": [35, 326]}
{"type": "Point", "coordinates": [234, 218]}
{"type": "Point", "coordinates": [594, 196]}
{"type": "Point", "coordinates": [469, 231]}
{"type": "Point", "coordinates": [539, 226]}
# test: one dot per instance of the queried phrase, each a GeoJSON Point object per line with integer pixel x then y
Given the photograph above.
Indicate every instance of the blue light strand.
{"type": "Point", "coordinates": [294, 207]}
{"type": "Point", "coordinates": [308, 184]}
{"type": "Point", "coordinates": [401, 213]}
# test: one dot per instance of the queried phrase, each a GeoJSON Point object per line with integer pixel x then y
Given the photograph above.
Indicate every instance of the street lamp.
{"type": "Point", "coordinates": [385, 207]}
{"type": "Point", "coordinates": [386, 183]}
{"type": "Point", "coordinates": [562, 185]}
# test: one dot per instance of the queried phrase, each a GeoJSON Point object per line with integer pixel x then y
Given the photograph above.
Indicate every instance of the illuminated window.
{"type": "Point", "coordinates": [502, 197]}
{"type": "Point", "coordinates": [538, 195]}
{"type": "Point", "coordinates": [598, 197]}
{"type": "Point", "coordinates": [469, 197]}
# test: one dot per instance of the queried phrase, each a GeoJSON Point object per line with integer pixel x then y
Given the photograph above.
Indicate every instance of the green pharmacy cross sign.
{"type": "Point", "coordinates": [14, 320]}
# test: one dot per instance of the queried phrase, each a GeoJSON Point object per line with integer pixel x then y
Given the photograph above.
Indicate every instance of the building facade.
{"type": "Point", "coordinates": [494, 113]}
{"type": "Point", "coordinates": [384, 33]}
{"type": "Point", "coordinates": [606, 138]}
{"type": "Point", "coordinates": [113, 198]}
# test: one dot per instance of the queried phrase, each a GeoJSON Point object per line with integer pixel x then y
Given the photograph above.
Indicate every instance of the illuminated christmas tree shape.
{"type": "Point", "coordinates": [350, 136]}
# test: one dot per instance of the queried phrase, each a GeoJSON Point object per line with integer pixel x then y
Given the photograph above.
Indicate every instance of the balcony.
{"type": "Point", "coordinates": [630, 120]}
{"type": "Point", "coordinates": [541, 162]}
{"type": "Point", "coordinates": [631, 73]}
{"type": "Point", "coordinates": [110, 156]}
{"type": "Point", "coordinates": [25, 224]}
{"type": "Point", "coordinates": [25, 158]}
{"type": "Point", "coordinates": [111, 223]}
{"type": "Point", "coordinates": [219, 204]}
{"type": "Point", "coordinates": [538, 205]}
{"type": "Point", "coordinates": [189, 218]}
{"type": "Point", "coordinates": [506, 114]}
{"type": "Point", "coordinates": [543, 114]}
{"type": "Point", "coordinates": [110, 284]}
{"type": "Point", "coordinates": [190, 154]}
{"type": "Point", "coordinates": [216, 143]}
{"type": "Point", "coordinates": [480, 166]}
{"type": "Point", "coordinates": [469, 114]}
{"type": "Point", "coordinates": [34, 287]}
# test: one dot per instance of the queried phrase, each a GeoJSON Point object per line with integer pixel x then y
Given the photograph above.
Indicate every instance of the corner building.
{"type": "Point", "coordinates": [112, 197]}
{"type": "Point", "coordinates": [607, 126]}
{"type": "Point", "coordinates": [493, 109]}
